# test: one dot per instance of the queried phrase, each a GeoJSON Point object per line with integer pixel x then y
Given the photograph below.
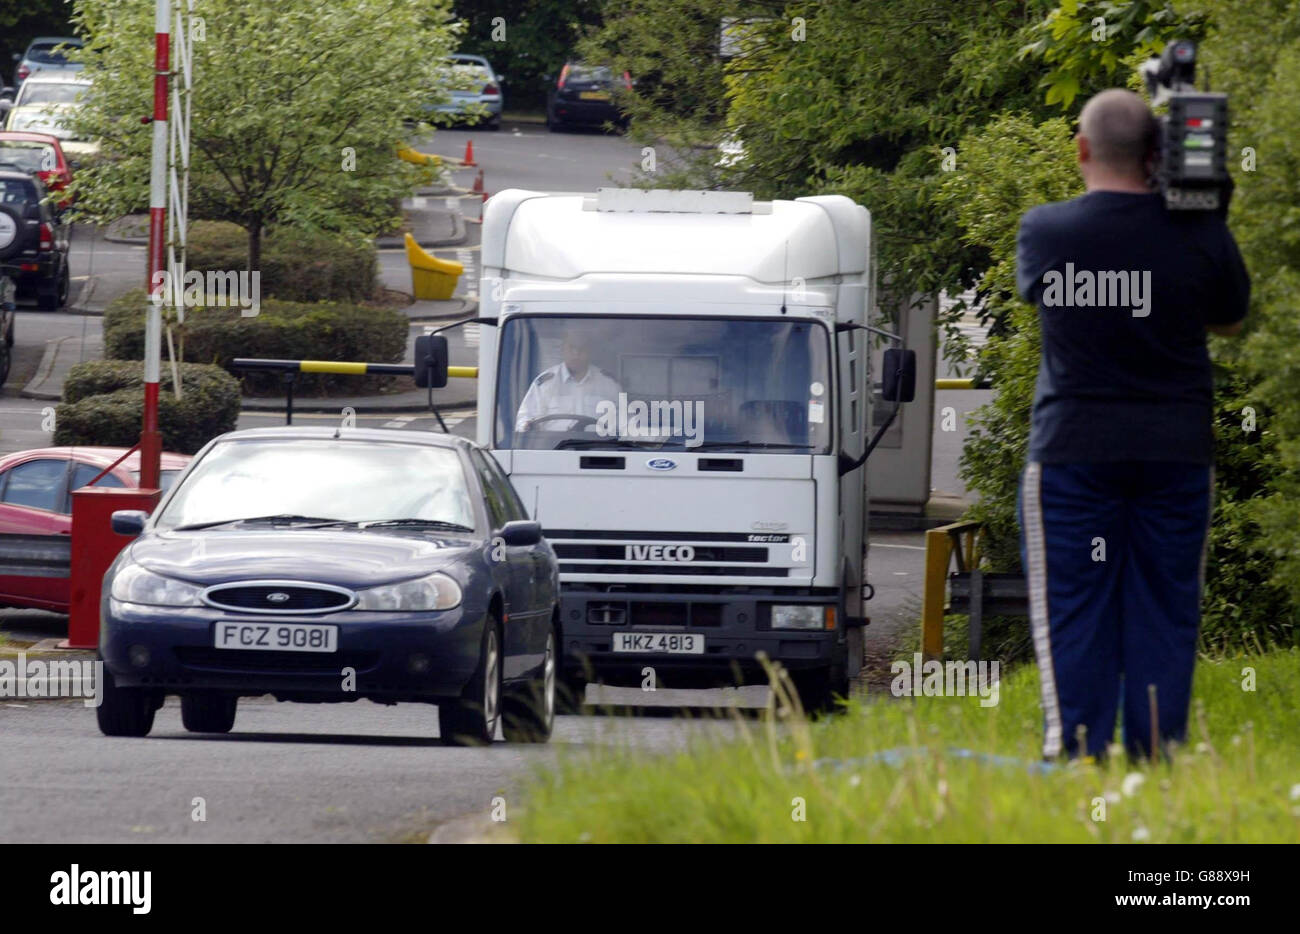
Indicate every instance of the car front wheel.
{"type": "Point", "coordinates": [208, 713]}
{"type": "Point", "coordinates": [124, 711]}
{"type": "Point", "coordinates": [471, 719]}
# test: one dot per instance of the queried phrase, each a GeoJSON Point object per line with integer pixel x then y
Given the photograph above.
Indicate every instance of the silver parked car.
{"type": "Point", "coordinates": [477, 96]}
{"type": "Point", "coordinates": [45, 55]}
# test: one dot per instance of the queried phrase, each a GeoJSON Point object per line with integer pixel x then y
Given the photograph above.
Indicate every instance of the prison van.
{"type": "Point", "coordinates": [677, 383]}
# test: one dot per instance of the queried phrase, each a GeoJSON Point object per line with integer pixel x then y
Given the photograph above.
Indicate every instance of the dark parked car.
{"type": "Point", "coordinates": [33, 241]}
{"type": "Point", "coordinates": [584, 96]}
{"type": "Point", "coordinates": [318, 564]}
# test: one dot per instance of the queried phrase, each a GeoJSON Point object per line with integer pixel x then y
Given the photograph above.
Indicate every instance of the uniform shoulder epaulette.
{"type": "Point", "coordinates": [544, 376]}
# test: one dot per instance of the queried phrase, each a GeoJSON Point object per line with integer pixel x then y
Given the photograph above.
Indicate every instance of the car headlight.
{"type": "Point", "coordinates": [799, 616]}
{"type": "Point", "coordinates": [135, 584]}
{"type": "Point", "coordinates": [434, 592]}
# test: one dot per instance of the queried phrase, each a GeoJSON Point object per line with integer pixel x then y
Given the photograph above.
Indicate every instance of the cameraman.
{"type": "Point", "coordinates": [1115, 499]}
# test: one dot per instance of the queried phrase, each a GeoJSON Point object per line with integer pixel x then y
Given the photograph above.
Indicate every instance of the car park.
{"type": "Point", "coordinates": [326, 565]}
{"type": "Point", "coordinates": [34, 242]}
{"type": "Point", "coordinates": [38, 154]}
{"type": "Point", "coordinates": [584, 95]}
{"type": "Point", "coordinates": [36, 499]}
{"type": "Point", "coordinates": [45, 55]}
{"type": "Point", "coordinates": [476, 95]}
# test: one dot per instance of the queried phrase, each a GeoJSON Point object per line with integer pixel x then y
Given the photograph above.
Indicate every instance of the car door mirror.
{"type": "Point", "coordinates": [521, 532]}
{"type": "Point", "coordinates": [898, 382]}
{"type": "Point", "coordinates": [7, 93]}
{"type": "Point", "coordinates": [129, 521]}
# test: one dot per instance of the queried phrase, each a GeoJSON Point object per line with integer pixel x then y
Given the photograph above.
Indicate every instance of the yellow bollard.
{"type": "Point", "coordinates": [408, 154]}
{"type": "Point", "coordinates": [431, 278]}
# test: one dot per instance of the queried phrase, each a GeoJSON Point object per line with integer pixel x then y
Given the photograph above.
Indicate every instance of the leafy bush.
{"type": "Point", "coordinates": [282, 330]}
{"type": "Point", "coordinates": [297, 266]}
{"type": "Point", "coordinates": [103, 403]}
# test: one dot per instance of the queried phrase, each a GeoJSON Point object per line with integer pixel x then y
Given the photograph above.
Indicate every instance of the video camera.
{"type": "Point", "coordinates": [1192, 170]}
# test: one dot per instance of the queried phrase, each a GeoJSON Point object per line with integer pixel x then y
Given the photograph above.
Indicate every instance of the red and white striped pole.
{"type": "Point", "coordinates": [150, 439]}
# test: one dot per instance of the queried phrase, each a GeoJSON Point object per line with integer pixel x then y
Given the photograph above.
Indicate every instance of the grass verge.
{"type": "Point", "coordinates": [946, 770]}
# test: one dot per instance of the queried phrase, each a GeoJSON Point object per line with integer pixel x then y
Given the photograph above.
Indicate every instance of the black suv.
{"type": "Point", "coordinates": [33, 242]}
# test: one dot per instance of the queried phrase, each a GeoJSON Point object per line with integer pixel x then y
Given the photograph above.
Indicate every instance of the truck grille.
{"type": "Point", "coordinates": [592, 554]}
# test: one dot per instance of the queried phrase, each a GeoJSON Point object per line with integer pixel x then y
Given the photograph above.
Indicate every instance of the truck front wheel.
{"type": "Point", "coordinates": [819, 687]}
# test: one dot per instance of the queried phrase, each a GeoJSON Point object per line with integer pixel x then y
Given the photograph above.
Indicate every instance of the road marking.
{"type": "Point", "coordinates": [400, 422]}
{"type": "Point", "coordinates": [471, 334]}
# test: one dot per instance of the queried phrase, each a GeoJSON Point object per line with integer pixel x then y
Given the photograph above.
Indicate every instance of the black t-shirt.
{"type": "Point", "coordinates": [1125, 289]}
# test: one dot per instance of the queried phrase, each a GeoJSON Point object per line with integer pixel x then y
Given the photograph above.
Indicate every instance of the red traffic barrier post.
{"type": "Point", "coordinates": [94, 547]}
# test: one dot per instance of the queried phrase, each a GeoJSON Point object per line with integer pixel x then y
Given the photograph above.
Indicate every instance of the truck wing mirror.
{"type": "Point", "coordinates": [899, 378]}
{"type": "Point", "coordinates": [431, 361]}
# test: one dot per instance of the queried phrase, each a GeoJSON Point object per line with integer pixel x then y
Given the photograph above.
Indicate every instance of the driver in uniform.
{"type": "Point", "coordinates": [571, 387]}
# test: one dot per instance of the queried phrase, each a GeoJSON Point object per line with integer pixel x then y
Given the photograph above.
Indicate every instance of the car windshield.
{"type": "Point", "coordinates": [351, 481]}
{"type": "Point", "coordinates": [17, 191]}
{"type": "Point", "coordinates": [50, 92]}
{"type": "Point", "coordinates": [595, 382]}
{"type": "Point", "coordinates": [44, 54]}
{"type": "Point", "coordinates": [28, 156]}
{"type": "Point", "coordinates": [590, 73]}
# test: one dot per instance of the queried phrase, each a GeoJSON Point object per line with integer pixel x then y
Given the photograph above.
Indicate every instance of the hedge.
{"type": "Point", "coordinates": [103, 403]}
{"type": "Point", "coordinates": [281, 330]}
{"type": "Point", "coordinates": [296, 266]}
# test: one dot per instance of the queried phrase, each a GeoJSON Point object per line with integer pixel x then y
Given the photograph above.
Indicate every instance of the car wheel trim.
{"type": "Point", "coordinates": [548, 680]}
{"type": "Point", "coordinates": [491, 685]}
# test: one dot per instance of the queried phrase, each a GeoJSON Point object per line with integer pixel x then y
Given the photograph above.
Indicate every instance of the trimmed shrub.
{"type": "Point", "coordinates": [297, 266]}
{"type": "Point", "coordinates": [282, 330]}
{"type": "Point", "coordinates": [103, 404]}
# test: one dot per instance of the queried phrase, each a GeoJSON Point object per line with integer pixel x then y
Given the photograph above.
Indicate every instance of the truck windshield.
{"type": "Point", "coordinates": [715, 384]}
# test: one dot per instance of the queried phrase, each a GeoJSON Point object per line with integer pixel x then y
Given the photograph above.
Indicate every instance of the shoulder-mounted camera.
{"type": "Point", "coordinates": [1192, 168]}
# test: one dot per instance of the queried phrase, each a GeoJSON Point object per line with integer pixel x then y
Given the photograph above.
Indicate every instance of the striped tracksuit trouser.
{"type": "Point", "coordinates": [1114, 556]}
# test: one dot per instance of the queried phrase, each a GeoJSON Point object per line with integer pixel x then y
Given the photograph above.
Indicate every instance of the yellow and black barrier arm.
{"type": "Point", "coordinates": [963, 384]}
{"type": "Point", "coordinates": [429, 370]}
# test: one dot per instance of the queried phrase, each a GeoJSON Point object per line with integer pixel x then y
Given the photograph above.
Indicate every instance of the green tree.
{"type": "Point", "coordinates": [297, 107]}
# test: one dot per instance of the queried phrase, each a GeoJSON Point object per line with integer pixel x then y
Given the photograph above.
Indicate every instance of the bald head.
{"type": "Point", "coordinates": [1117, 132]}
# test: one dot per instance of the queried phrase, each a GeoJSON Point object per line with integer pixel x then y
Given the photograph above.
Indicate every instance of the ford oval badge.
{"type": "Point", "coordinates": [661, 463]}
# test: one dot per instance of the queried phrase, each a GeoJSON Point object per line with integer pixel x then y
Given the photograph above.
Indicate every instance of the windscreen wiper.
{"type": "Point", "coordinates": [619, 444]}
{"type": "Point", "coordinates": [414, 523]}
{"type": "Point", "coordinates": [753, 445]}
{"type": "Point", "coordinates": [282, 517]}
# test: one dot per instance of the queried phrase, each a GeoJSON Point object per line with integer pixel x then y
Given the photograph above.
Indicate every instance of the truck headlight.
{"type": "Point", "coordinates": [135, 584]}
{"type": "Point", "coordinates": [799, 616]}
{"type": "Point", "coordinates": [434, 592]}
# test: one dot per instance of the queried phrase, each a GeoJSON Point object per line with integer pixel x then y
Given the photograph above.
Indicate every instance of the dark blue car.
{"type": "Point", "coordinates": [319, 564]}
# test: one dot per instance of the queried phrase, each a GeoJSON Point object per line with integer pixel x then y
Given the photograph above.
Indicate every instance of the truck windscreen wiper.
{"type": "Point", "coordinates": [622, 444]}
{"type": "Point", "coordinates": [752, 445]}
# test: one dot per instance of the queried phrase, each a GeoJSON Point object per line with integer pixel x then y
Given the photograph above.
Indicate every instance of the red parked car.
{"type": "Point", "coordinates": [36, 499]}
{"type": "Point", "coordinates": [38, 154]}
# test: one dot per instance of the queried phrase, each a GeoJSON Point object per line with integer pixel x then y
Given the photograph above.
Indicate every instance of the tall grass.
{"type": "Point", "coordinates": [944, 770]}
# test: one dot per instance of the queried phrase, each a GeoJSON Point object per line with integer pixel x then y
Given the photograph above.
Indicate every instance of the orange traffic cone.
{"type": "Point", "coordinates": [469, 153]}
{"type": "Point", "coordinates": [478, 183]}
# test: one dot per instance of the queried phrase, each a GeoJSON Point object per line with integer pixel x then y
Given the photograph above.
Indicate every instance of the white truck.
{"type": "Point", "coordinates": [678, 384]}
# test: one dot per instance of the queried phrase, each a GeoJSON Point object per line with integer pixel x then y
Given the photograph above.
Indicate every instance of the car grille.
{"type": "Point", "coordinates": [235, 660]}
{"type": "Point", "coordinates": [275, 597]}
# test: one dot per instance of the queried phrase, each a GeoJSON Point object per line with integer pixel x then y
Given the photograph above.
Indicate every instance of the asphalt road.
{"type": "Point", "coordinates": [344, 772]}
